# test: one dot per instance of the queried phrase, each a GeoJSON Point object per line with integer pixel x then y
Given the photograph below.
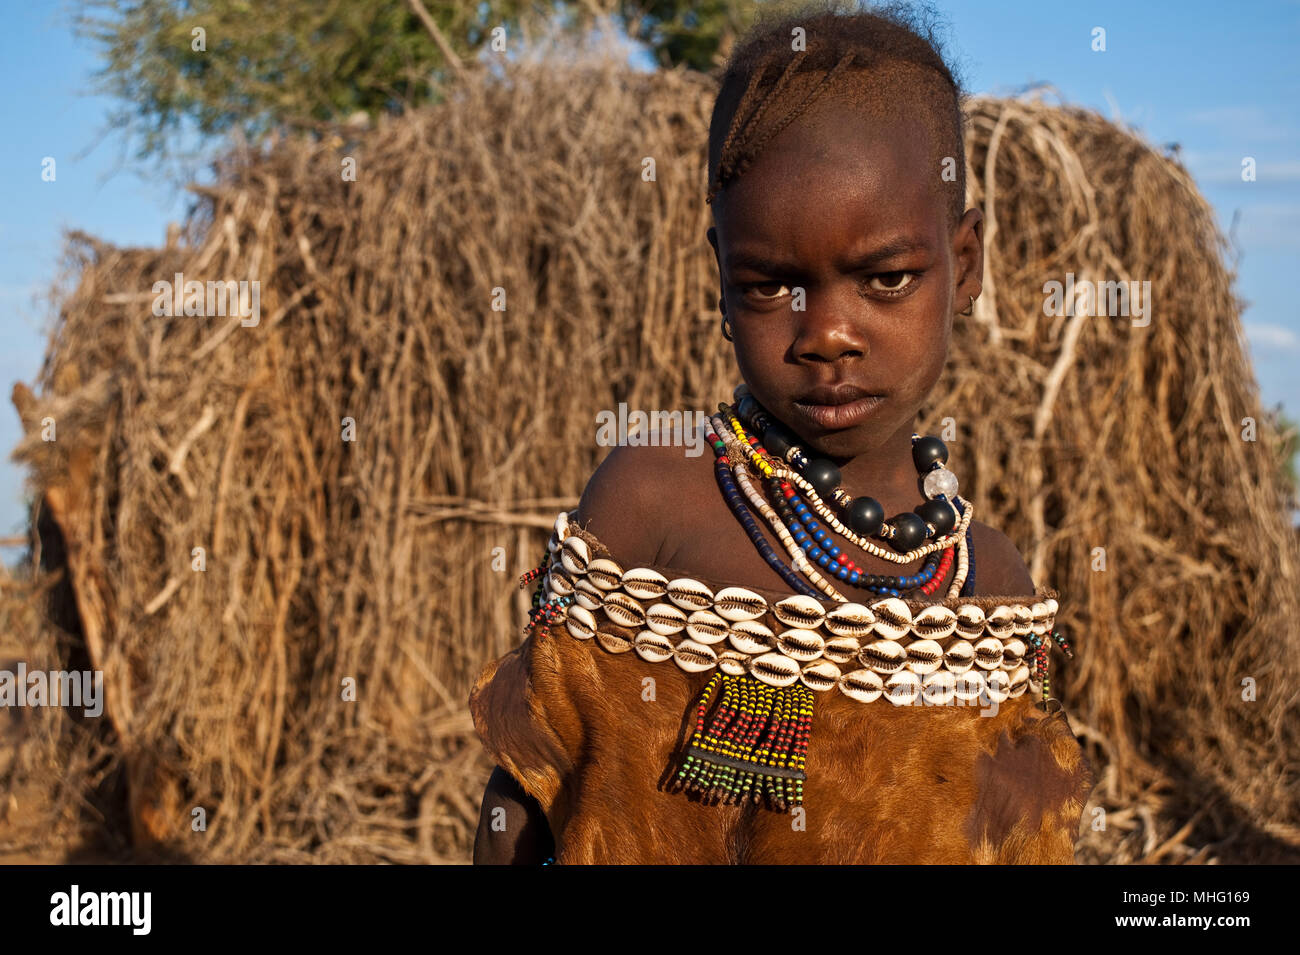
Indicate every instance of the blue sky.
{"type": "Point", "coordinates": [1224, 82]}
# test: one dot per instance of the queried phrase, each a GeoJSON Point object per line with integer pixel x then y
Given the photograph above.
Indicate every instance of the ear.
{"type": "Point", "coordinates": [712, 236]}
{"type": "Point", "coordinates": [968, 257]}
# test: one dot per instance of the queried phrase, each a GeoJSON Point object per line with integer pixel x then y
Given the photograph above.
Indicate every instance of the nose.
{"type": "Point", "coordinates": [830, 329]}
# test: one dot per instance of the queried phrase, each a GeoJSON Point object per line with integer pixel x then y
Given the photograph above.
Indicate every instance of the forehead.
{"type": "Point", "coordinates": [833, 179]}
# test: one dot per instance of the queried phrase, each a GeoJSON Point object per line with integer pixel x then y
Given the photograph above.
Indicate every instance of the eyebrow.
{"type": "Point", "coordinates": [770, 266]}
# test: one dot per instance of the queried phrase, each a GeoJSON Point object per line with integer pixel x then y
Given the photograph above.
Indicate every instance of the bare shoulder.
{"type": "Point", "coordinates": [632, 502]}
{"type": "Point", "coordinates": [999, 568]}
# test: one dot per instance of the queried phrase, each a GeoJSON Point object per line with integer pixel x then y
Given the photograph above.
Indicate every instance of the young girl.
{"type": "Point", "coordinates": [784, 654]}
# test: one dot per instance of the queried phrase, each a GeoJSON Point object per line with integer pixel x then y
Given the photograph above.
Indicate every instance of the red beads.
{"type": "Point", "coordinates": [940, 572]}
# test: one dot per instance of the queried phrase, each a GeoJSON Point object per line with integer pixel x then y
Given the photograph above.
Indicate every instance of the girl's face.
{"type": "Point", "coordinates": [840, 276]}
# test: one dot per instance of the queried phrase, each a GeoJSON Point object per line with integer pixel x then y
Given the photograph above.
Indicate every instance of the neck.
{"type": "Point", "coordinates": [886, 473]}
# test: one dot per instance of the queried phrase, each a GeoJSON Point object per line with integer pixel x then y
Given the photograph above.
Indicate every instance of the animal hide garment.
{"type": "Point", "coordinates": [597, 732]}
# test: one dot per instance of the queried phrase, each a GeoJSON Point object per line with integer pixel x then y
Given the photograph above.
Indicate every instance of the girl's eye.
{"type": "Point", "coordinates": [755, 290]}
{"type": "Point", "coordinates": [892, 283]}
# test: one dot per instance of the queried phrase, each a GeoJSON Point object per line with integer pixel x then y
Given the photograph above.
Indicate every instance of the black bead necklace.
{"type": "Point", "coordinates": [864, 515]}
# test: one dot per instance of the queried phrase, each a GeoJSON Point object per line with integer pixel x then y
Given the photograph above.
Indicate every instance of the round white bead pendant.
{"type": "Point", "coordinates": [940, 481]}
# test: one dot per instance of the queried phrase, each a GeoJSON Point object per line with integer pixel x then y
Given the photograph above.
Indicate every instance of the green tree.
{"type": "Point", "coordinates": [1288, 446]}
{"type": "Point", "coordinates": [256, 65]}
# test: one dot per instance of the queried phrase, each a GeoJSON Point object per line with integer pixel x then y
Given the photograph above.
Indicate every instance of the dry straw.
{"type": "Point", "coordinates": [373, 560]}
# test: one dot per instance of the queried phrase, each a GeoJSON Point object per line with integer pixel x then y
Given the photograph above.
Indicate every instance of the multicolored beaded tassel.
{"type": "Point", "coordinates": [754, 745]}
{"type": "Point", "coordinates": [1040, 659]}
{"type": "Point", "coordinates": [545, 613]}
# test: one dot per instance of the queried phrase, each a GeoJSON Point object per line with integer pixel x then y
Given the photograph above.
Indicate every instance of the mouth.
{"type": "Point", "coordinates": [833, 407]}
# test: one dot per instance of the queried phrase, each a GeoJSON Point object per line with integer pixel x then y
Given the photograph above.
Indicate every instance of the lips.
{"type": "Point", "coordinates": [834, 407]}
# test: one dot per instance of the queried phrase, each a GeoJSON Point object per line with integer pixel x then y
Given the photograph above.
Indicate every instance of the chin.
{"type": "Point", "coordinates": [848, 443]}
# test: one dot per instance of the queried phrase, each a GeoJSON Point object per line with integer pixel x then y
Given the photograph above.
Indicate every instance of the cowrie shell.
{"type": "Point", "coordinates": [938, 689]}
{"type": "Point", "coordinates": [645, 584]}
{"type": "Point", "coordinates": [665, 619]}
{"type": "Point", "coordinates": [1052, 606]}
{"type": "Point", "coordinates": [934, 623]}
{"type": "Point", "coordinates": [605, 573]}
{"type": "Point", "coordinates": [893, 618]}
{"type": "Point", "coordinates": [1013, 652]}
{"type": "Point", "coordinates": [750, 636]}
{"type": "Point", "coordinates": [623, 610]}
{"type": "Point", "coordinates": [560, 582]}
{"type": "Point", "coordinates": [733, 662]}
{"type": "Point", "coordinates": [800, 611]}
{"type": "Point", "coordinates": [1041, 618]}
{"type": "Point", "coordinates": [581, 623]}
{"type": "Point", "coordinates": [903, 688]}
{"type": "Point", "coordinates": [850, 620]}
{"type": "Point", "coordinates": [587, 595]}
{"type": "Point", "coordinates": [924, 656]}
{"type": "Point", "coordinates": [690, 594]}
{"type": "Point", "coordinates": [561, 526]}
{"type": "Point", "coordinates": [585, 600]}
{"type": "Point", "coordinates": [774, 669]}
{"type": "Point", "coordinates": [801, 645]}
{"type": "Point", "coordinates": [1001, 621]}
{"type": "Point", "coordinates": [652, 646]}
{"type": "Point", "coordinates": [706, 627]}
{"type": "Point", "coordinates": [862, 685]}
{"type": "Point", "coordinates": [883, 656]}
{"type": "Point", "coordinates": [970, 620]}
{"type": "Point", "coordinates": [575, 555]}
{"type": "Point", "coordinates": [612, 642]}
{"type": "Point", "coordinates": [737, 603]}
{"type": "Point", "coordinates": [988, 653]}
{"type": "Point", "coordinates": [1024, 620]}
{"type": "Point", "coordinates": [694, 657]}
{"type": "Point", "coordinates": [820, 675]}
{"type": "Point", "coordinates": [997, 685]}
{"type": "Point", "coordinates": [959, 657]}
{"type": "Point", "coordinates": [1019, 681]}
{"type": "Point", "coordinates": [969, 686]}
{"type": "Point", "coordinates": [841, 649]}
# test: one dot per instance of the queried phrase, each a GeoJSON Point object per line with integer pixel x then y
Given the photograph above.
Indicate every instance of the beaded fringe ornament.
{"type": "Point", "coordinates": [544, 612]}
{"type": "Point", "coordinates": [753, 744]}
{"type": "Point", "coordinates": [1038, 648]}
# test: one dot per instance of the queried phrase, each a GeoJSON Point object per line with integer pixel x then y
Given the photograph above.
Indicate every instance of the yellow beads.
{"type": "Point", "coordinates": [755, 455]}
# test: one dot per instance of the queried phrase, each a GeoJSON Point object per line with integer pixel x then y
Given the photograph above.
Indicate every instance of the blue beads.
{"type": "Point", "coordinates": [732, 495]}
{"type": "Point", "coordinates": [812, 537]}
{"type": "Point", "coordinates": [968, 588]}
{"type": "Point", "coordinates": [820, 547]}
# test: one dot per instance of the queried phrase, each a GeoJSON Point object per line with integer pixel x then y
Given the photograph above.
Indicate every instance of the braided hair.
{"type": "Point", "coordinates": [883, 62]}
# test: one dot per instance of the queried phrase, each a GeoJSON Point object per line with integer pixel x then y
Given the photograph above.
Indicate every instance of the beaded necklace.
{"type": "Point", "coordinates": [793, 501]}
